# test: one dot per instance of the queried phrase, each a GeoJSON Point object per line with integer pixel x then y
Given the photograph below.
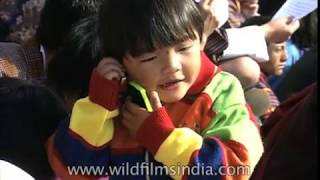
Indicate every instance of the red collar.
{"type": "Point", "coordinates": [207, 71]}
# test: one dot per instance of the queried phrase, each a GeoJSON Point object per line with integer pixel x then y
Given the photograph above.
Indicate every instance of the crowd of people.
{"type": "Point", "coordinates": [165, 83]}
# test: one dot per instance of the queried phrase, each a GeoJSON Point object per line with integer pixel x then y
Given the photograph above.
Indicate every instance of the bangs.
{"type": "Point", "coordinates": [147, 25]}
{"type": "Point", "coordinates": [166, 26]}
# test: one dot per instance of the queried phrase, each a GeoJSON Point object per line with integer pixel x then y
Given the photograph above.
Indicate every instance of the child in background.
{"type": "Point", "coordinates": [199, 119]}
{"type": "Point", "coordinates": [68, 74]}
{"type": "Point", "coordinates": [274, 66]}
{"type": "Point", "coordinates": [29, 114]}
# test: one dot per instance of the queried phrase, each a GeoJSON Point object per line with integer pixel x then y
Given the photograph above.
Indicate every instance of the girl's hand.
{"type": "Point", "coordinates": [133, 116]}
{"type": "Point", "coordinates": [110, 69]}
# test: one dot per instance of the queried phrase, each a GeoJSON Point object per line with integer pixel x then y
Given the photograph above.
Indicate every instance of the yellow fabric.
{"type": "Point", "coordinates": [92, 122]}
{"type": "Point", "coordinates": [175, 152]}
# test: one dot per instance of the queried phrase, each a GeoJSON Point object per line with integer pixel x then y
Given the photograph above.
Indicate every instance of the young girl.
{"type": "Point", "coordinates": [199, 126]}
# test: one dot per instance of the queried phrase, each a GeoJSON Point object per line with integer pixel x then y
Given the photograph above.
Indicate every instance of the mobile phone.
{"type": "Point", "coordinates": [139, 95]}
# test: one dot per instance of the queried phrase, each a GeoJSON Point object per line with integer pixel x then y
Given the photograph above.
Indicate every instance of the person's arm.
{"type": "Point", "coordinates": [231, 139]}
{"type": "Point", "coordinates": [246, 69]}
{"type": "Point", "coordinates": [249, 41]}
{"type": "Point", "coordinates": [252, 40]}
{"type": "Point", "coordinates": [83, 139]}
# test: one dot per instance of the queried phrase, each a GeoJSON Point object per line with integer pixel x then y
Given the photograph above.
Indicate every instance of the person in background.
{"type": "Point", "coordinates": [291, 135]}
{"type": "Point", "coordinates": [69, 72]}
{"type": "Point", "coordinates": [221, 43]}
{"type": "Point", "coordinates": [29, 114]}
{"type": "Point", "coordinates": [239, 50]}
{"type": "Point", "coordinates": [301, 75]}
{"type": "Point", "coordinates": [29, 60]}
{"type": "Point", "coordinates": [19, 19]}
{"type": "Point", "coordinates": [302, 41]}
{"type": "Point", "coordinates": [274, 66]}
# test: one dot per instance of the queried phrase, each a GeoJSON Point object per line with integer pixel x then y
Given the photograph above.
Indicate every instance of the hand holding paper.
{"type": "Point", "coordinates": [280, 29]}
{"type": "Point", "coordinates": [296, 8]}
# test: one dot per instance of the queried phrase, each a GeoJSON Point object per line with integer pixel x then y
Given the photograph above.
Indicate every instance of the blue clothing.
{"type": "Point", "coordinates": [294, 54]}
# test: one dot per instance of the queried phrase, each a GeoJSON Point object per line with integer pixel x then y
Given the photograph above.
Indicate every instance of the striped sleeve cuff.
{"type": "Point", "coordinates": [103, 91]}
{"type": "Point", "coordinates": [156, 128]}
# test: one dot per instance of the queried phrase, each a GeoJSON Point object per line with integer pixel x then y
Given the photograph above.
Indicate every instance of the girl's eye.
{"type": "Point", "coordinates": [278, 49]}
{"type": "Point", "coordinates": [148, 59]}
{"type": "Point", "coordinates": [185, 48]}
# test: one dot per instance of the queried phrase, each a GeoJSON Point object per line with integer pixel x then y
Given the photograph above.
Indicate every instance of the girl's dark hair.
{"type": "Point", "coordinates": [138, 26]}
{"type": "Point", "coordinates": [58, 16]}
{"type": "Point", "coordinates": [29, 115]}
{"type": "Point", "coordinates": [70, 68]}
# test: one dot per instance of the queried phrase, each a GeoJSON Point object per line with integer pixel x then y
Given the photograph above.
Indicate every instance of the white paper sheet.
{"type": "Point", "coordinates": [296, 8]}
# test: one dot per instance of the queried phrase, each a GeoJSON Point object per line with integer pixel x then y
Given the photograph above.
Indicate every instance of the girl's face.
{"type": "Point", "coordinates": [277, 59]}
{"type": "Point", "coordinates": [170, 71]}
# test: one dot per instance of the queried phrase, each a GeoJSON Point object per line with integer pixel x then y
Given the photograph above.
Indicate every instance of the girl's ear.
{"type": "Point", "coordinates": [126, 60]}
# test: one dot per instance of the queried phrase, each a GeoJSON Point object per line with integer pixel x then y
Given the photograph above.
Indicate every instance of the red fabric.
{"type": "Point", "coordinates": [155, 129]}
{"type": "Point", "coordinates": [207, 71]}
{"type": "Point", "coordinates": [290, 139]}
{"type": "Point", "coordinates": [104, 92]}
